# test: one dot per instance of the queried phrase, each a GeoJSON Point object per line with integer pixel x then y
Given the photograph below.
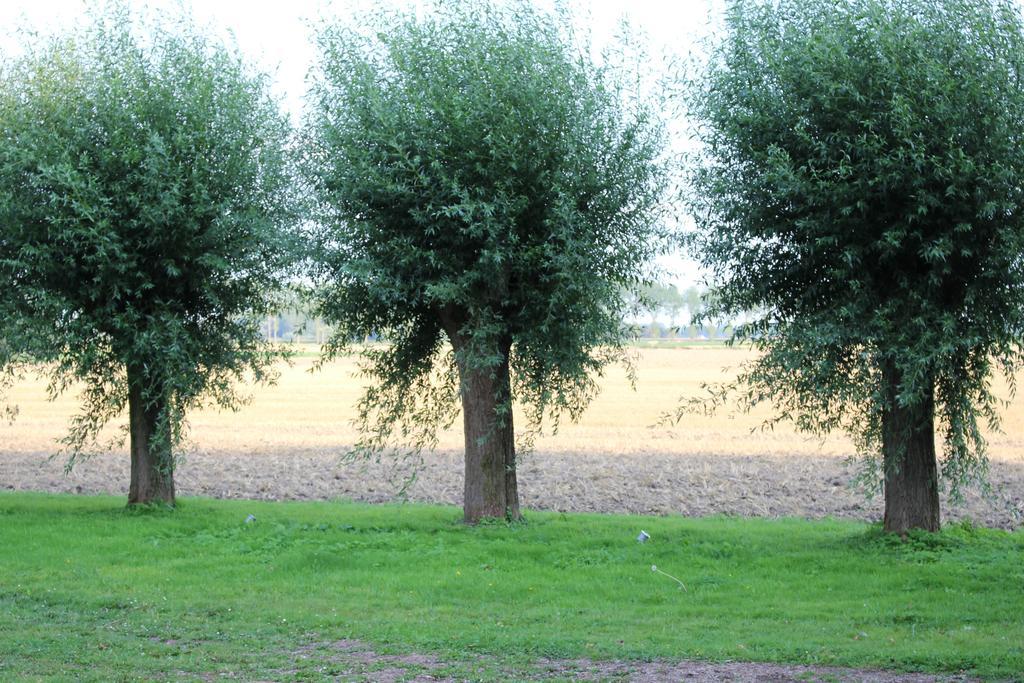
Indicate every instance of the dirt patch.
{"type": "Point", "coordinates": [709, 672]}
{"type": "Point", "coordinates": [352, 658]}
{"type": "Point", "coordinates": [639, 483]}
{"type": "Point", "coordinates": [356, 660]}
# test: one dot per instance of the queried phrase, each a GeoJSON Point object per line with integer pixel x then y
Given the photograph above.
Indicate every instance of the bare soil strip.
{"type": "Point", "coordinates": [643, 483]}
{"type": "Point", "coordinates": [354, 660]}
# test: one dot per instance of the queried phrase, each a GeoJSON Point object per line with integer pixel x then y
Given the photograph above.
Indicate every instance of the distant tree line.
{"type": "Point", "coordinates": [657, 311]}
{"type": "Point", "coordinates": [472, 188]}
{"type": "Point", "coordinates": [662, 311]}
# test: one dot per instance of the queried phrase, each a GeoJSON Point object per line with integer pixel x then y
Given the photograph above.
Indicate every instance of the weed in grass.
{"type": "Point", "coordinates": [654, 568]}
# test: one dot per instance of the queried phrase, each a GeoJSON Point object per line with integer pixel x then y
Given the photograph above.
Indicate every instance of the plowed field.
{"type": "Point", "coordinates": [289, 441]}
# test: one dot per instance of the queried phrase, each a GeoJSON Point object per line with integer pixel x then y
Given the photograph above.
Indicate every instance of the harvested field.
{"type": "Point", "coordinates": [288, 444]}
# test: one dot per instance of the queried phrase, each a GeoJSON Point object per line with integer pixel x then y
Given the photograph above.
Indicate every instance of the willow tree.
{"type": "Point", "coordinates": [484, 192]}
{"type": "Point", "coordinates": [143, 208]}
{"type": "Point", "coordinates": [860, 185]}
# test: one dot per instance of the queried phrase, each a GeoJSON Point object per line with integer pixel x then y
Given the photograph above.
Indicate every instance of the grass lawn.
{"type": "Point", "coordinates": [90, 590]}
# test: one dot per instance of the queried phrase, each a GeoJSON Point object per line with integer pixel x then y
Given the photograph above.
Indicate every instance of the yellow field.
{"type": "Point", "coordinates": [312, 411]}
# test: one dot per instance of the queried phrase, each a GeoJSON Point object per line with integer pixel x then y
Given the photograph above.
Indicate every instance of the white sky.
{"type": "Point", "coordinates": [276, 35]}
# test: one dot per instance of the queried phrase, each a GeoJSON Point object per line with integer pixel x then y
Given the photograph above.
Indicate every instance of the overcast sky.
{"type": "Point", "coordinates": [276, 35]}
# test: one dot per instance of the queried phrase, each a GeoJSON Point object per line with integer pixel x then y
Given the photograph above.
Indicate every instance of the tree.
{"type": "Point", "coordinates": [694, 309]}
{"type": "Point", "coordinates": [664, 298]}
{"type": "Point", "coordinates": [479, 183]}
{"type": "Point", "coordinates": [859, 186]}
{"type": "Point", "coordinates": [144, 200]}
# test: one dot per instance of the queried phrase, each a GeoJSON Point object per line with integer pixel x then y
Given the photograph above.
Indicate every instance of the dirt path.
{"type": "Point", "coordinates": [356, 661]}
{"type": "Point", "coordinates": [638, 483]}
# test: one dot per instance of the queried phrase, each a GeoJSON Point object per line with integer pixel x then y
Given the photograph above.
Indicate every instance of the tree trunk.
{"type": "Point", "coordinates": [908, 451]}
{"type": "Point", "coordinates": [490, 485]}
{"type": "Point", "coordinates": [152, 473]}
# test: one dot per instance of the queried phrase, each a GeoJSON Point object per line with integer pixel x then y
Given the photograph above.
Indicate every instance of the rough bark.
{"type": "Point", "coordinates": [491, 490]}
{"type": "Point", "coordinates": [911, 470]}
{"type": "Point", "coordinates": [152, 465]}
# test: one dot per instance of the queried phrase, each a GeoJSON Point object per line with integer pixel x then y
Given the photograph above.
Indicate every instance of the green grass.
{"type": "Point", "coordinates": [90, 590]}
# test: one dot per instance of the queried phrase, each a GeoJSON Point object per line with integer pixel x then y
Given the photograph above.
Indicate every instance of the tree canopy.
{"type": "Point", "coordinates": [144, 207]}
{"type": "Point", "coordinates": [860, 185]}
{"type": "Point", "coordinates": [479, 182]}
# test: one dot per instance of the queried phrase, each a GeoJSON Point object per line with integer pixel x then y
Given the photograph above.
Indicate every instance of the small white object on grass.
{"type": "Point", "coordinates": [642, 538]}
{"type": "Point", "coordinates": [250, 519]}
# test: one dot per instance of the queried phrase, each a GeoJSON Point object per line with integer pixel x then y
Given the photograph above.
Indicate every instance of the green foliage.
{"type": "Point", "coordinates": [94, 592]}
{"type": "Point", "coordinates": [477, 176]}
{"type": "Point", "coordinates": [859, 185]}
{"type": "Point", "coordinates": [144, 193]}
